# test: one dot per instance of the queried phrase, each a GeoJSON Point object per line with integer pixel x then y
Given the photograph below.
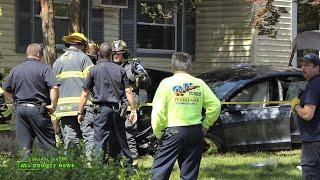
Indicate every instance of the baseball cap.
{"type": "Point", "coordinates": [311, 57]}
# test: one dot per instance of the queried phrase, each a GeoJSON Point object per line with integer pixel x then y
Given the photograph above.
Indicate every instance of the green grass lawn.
{"type": "Point", "coordinates": [238, 166]}
{"type": "Point", "coordinates": [213, 166]}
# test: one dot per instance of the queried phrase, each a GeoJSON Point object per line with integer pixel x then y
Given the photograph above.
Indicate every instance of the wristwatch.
{"type": "Point", "coordinates": [79, 113]}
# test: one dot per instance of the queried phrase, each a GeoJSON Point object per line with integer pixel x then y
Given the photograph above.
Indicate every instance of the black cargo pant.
{"type": "Point", "coordinates": [131, 133]}
{"type": "Point", "coordinates": [310, 160]}
{"type": "Point", "coordinates": [31, 123]}
{"type": "Point", "coordinates": [109, 130]}
{"type": "Point", "coordinates": [182, 143]}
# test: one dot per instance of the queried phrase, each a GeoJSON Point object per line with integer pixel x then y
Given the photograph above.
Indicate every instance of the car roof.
{"type": "Point", "coordinates": [246, 71]}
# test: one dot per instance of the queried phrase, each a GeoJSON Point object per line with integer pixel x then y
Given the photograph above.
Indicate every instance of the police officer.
{"type": "Point", "coordinates": [92, 51]}
{"type": "Point", "coordinates": [5, 110]}
{"type": "Point", "coordinates": [35, 91]}
{"type": "Point", "coordinates": [308, 111]}
{"type": "Point", "coordinates": [108, 83]}
{"type": "Point", "coordinates": [71, 68]}
{"type": "Point", "coordinates": [138, 78]}
{"type": "Point", "coordinates": [177, 120]}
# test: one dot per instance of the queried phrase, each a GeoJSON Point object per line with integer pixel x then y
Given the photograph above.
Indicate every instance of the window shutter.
{"type": "Point", "coordinates": [97, 26]}
{"type": "Point", "coordinates": [23, 24]}
{"type": "Point", "coordinates": [128, 25]}
{"type": "Point", "coordinates": [189, 35]}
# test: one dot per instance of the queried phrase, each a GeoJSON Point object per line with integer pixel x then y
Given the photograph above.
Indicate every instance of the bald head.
{"type": "Point", "coordinates": [105, 51]}
{"type": "Point", "coordinates": [34, 50]}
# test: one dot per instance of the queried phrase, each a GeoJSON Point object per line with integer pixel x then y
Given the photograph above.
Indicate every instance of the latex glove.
{"type": "Point", "coordinates": [294, 103]}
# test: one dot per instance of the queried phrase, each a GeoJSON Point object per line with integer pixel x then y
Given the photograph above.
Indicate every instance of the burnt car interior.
{"type": "Point", "coordinates": [146, 142]}
{"type": "Point", "coordinates": [261, 126]}
{"type": "Point", "coordinates": [240, 127]}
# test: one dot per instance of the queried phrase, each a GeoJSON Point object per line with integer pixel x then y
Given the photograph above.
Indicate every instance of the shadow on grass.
{"type": "Point", "coordinates": [282, 171]}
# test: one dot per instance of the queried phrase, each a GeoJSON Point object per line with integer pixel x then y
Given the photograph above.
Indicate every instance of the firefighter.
{"type": "Point", "coordinates": [71, 68]}
{"type": "Point", "coordinates": [109, 84]}
{"type": "Point", "coordinates": [92, 51]}
{"type": "Point", "coordinates": [138, 78]}
{"type": "Point", "coordinates": [5, 110]}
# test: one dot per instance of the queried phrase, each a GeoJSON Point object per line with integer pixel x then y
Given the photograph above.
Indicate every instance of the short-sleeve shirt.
{"type": "Point", "coordinates": [100, 85]}
{"type": "Point", "coordinates": [30, 82]}
{"type": "Point", "coordinates": [310, 130]}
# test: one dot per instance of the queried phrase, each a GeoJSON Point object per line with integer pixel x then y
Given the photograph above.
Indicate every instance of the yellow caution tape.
{"type": "Point", "coordinates": [243, 103]}
{"type": "Point", "coordinates": [259, 102]}
{"type": "Point", "coordinates": [6, 127]}
{"type": "Point", "coordinates": [223, 103]}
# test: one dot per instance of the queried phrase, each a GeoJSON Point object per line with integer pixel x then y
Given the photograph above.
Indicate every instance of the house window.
{"type": "Point", "coordinates": [156, 26]}
{"type": "Point", "coordinates": [151, 35]}
{"type": "Point", "coordinates": [29, 28]}
{"type": "Point", "coordinates": [60, 22]}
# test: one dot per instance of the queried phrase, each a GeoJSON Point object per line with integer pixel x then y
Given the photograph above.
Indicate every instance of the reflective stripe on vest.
{"type": "Point", "coordinates": [74, 74]}
{"type": "Point", "coordinates": [70, 74]}
{"type": "Point", "coordinates": [69, 100]}
{"type": "Point", "coordinates": [62, 114]}
{"type": "Point", "coordinates": [7, 112]}
{"type": "Point", "coordinates": [86, 71]}
{"type": "Point", "coordinates": [68, 106]}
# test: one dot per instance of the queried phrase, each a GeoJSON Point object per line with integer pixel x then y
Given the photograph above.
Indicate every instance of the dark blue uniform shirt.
{"type": "Point", "coordinates": [30, 82]}
{"type": "Point", "coordinates": [310, 130]}
{"type": "Point", "coordinates": [101, 87]}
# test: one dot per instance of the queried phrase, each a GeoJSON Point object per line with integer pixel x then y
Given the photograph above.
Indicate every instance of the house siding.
{"type": "Point", "coordinates": [276, 51]}
{"type": "Point", "coordinates": [7, 40]}
{"type": "Point", "coordinates": [7, 28]}
{"type": "Point", "coordinates": [225, 37]}
{"type": "Point", "coordinates": [111, 21]}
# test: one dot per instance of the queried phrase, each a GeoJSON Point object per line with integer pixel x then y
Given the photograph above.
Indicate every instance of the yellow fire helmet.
{"type": "Point", "coordinates": [76, 38]}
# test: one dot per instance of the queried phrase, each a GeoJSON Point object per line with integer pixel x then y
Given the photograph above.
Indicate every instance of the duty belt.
{"type": "Point", "coordinates": [107, 104]}
{"type": "Point", "coordinates": [29, 105]}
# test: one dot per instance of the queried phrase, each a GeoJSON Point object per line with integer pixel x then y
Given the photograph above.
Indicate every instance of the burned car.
{"type": "Point", "coordinates": [146, 141]}
{"type": "Point", "coordinates": [242, 125]}
{"type": "Point", "coordinates": [246, 126]}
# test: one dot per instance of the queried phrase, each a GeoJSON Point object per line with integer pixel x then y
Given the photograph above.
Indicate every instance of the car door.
{"type": "Point", "coordinates": [257, 126]}
{"type": "Point", "coordinates": [292, 87]}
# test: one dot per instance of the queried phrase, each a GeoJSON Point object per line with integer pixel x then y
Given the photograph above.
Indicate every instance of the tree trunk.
{"type": "Point", "coordinates": [76, 14]}
{"type": "Point", "coordinates": [49, 44]}
{"type": "Point", "coordinates": [0, 35]}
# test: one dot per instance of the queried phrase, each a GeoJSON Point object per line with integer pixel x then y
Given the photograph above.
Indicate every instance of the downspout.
{"type": "Point", "coordinates": [294, 19]}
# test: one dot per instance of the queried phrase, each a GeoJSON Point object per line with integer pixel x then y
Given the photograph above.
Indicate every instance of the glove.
{"type": "Point", "coordinates": [59, 139]}
{"type": "Point", "coordinates": [294, 102]}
